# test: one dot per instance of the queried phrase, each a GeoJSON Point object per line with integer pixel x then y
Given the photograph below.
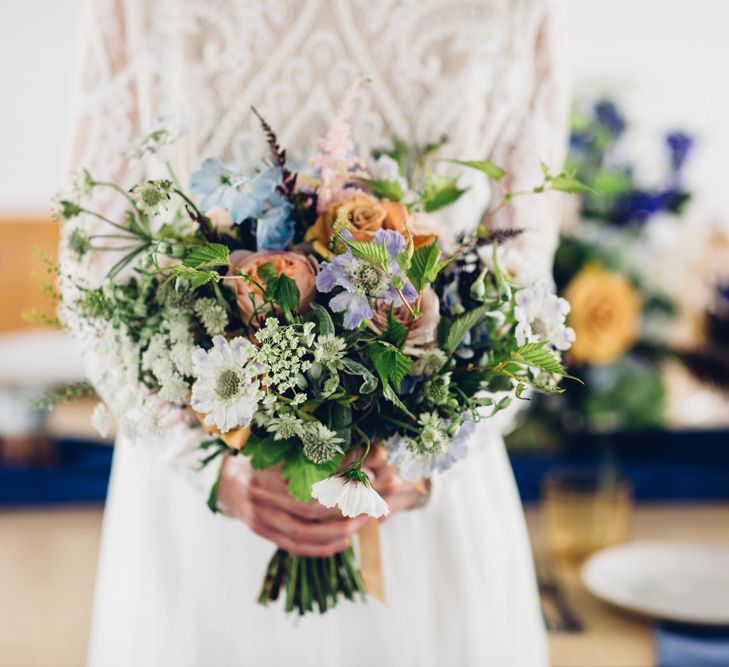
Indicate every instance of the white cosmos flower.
{"type": "Point", "coordinates": [227, 389]}
{"type": "Point", "coordinates": [352, 493]}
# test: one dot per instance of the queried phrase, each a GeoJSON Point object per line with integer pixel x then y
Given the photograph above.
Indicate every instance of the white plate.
{"type": "Point", "coordinates": [674, 581]}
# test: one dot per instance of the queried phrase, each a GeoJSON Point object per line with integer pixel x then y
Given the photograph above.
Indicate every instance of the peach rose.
{"type": "Point", "coordinates": [297, 267]}
{"type": "Point", "coordinates": [365, 216]}
{"type": "Point", "coordinates": [605, 315]}
{"type": "Point", "coordinates": [422, 333]}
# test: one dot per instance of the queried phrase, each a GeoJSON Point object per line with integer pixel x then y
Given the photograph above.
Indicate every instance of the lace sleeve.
{"type": "Point", "coordinates": [540, 132]}
{"type": "Point", "coordinates": [105, 119]}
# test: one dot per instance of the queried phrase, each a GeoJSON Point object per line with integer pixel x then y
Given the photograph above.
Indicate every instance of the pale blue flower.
{"type": "Point", "coordinates": [222, 184]}
{"type": "Point", "coordinates": [362, 281]}
{"type": "Point", "coordinates": [275, 227]}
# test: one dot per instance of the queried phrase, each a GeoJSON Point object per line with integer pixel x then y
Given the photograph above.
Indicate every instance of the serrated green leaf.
{"type": "Point", "coordinates": [302, 474]}
{"type": "Point", "coordinates": [212, 254]}
{"type": "Point", "coordinates": [391, 364]}
{"type": "Point", "coordinates": [391, 190]}
{"type": "Point", "coordinates": [424, 265]}
{"type": "Point", "coordinates": [568, 184]}
{"type": "Point", "coordinates": [389, 394]}
{"type": "Point", "coordinates": [287, 293]}
{"type": "Point", "coordinates": [454, 331]}
{"type": "Point", "coordinates": [267, 452]}
{"type": "Point", "coordinates": [326, 324]}
{"type": "Point", "coordinates": [351, 367]}
{"type": "Point", "coordinates": [486, 166]}
{"type": "Point", "coordinates": [442, 195]}
{"type": "Point", "coordinates": [396, 332]}
{"type": "Point", "coordinates": [196, 277]}
{"type": "Point", "coordinates": [268, 274]}
{"type": "Point", "coordinates": [536, 355]}
{"type": "Point", "coordinates": [370, 252]}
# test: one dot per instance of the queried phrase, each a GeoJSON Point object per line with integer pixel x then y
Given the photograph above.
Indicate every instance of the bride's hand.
{"type": "Point", "coordinates": [261, 500]}
{"type": "Point", "coordinates": [398, 493]}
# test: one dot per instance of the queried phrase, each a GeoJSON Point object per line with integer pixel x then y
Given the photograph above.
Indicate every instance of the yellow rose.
{"type": "Point", "coordinates": [605, 315]}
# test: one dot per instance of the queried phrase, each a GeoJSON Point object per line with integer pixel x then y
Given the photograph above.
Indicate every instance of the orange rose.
{"type": "Point", "coordinates": [297, 267]}
{"type": "Point", "coordinates": [364, 217]}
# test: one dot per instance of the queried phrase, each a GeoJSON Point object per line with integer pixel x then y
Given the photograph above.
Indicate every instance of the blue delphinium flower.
{"type": "Point", "coordinates": [242, 197]}
{"type": "Point", "coordinates": [680, 145]}
{"type": "Point", "coordinates": [275, 227]}
{"type": "Point", "coordinates": [607, 114]}
{"type": "Point", "coordinates": [212, 180]}
{"type": "Point", "coordinates": [362, 281]}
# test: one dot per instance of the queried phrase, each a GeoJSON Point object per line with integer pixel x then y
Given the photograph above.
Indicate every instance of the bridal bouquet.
{"type": "Point", "coordinates": [306, 315]}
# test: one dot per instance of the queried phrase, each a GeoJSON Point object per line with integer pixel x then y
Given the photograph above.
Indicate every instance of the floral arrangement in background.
{"type": "Point", "coordinates": [624, 263]}
{"type": "Point", "coordinates": [304, 317]}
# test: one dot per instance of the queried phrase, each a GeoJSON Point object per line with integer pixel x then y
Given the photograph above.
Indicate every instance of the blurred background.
{"type": "Point", "coordinates": [641, 452]}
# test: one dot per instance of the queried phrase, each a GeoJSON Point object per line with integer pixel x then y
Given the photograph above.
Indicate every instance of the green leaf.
{"type": "Point", "coordinates": [389, 393]}
{"type": "Point", "coordinates": [424, 266]}
{"type": "Point", "coordinates": [302, 474]}
{"type": "Point", "coordinates": [391, 190]}
{"type": "Point", "coordinates": [326, 324]}
{"type": "Point", "coordinates": [391, 364]}
{"type": "Point", "coordinates": [442, 195]}
{"type": "Point", "coordinates": [486, 166]}
{"type": "Point", "coordinates": [287, 293]}
{"type": "Point", "coordinates": [395, 332]}
{"type": "Point", "coordinates": [536, 355]}
{"type": "Point", "coordinates": [267, 452]}
{"type": "Point", "coordinates": [268, 274]}
{"type": "Point", "coordinates": [212, 254]}
{"type": "Point", "coordinates": [197, 278]}
{"type": "Point", "coordinates": [453, 331]}
{"type": "Point", "coordinates": [565, 183]}
{"type": "Point", "coordinates": [351, 367]}
{"type": "Point", "coordinates": [372, 253]}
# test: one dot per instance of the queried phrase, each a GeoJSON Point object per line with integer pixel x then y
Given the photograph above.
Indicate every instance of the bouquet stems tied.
{"type": "Point", "coordinates": [305, 582]}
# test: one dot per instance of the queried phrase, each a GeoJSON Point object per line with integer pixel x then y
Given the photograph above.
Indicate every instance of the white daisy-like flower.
{"type": "Point", "coordinates": [102, 420]}
{"type": "Point", "coordinates": [227, 389]}
{"type": "Point", "coordinates": [540, 316]}
{"type": "Point", "coordinates": [284, 426]}
{"type": "Point", "coordinates": [352, 493]}
{"type": "Point", "coordinates": [329, 350]}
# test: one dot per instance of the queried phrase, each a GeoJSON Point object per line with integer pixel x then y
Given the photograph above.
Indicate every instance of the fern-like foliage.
{"type": "Point", "coordinates": [278, 155]}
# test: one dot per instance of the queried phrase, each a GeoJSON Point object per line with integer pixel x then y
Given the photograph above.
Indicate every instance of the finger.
{"type": "Point", "coordinates": [298, 548]}
{"type": "Point", "coordinates": [377, 457]}
{"type": "Point", "coordinates": [307, 531]}
{"type": "Point", "coordinates": [312, 511]}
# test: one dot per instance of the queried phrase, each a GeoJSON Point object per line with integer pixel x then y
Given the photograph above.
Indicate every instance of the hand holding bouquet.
{"type": "Point", "coordinates": [306, 318]}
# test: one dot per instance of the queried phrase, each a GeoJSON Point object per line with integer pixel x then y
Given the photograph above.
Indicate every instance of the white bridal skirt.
{"type": "Point", "coordinates": [177, 585]}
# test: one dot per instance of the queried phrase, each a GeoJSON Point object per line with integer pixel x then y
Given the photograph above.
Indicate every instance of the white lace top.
{"type": "Point", "coordinates": [485, 73]}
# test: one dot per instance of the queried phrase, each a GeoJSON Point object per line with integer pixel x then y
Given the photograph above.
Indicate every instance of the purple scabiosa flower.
{"type": "Point", "coordinates": [362, 281]}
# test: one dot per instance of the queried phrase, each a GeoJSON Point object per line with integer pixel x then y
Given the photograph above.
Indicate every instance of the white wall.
{"type": "Point", "coordinates": [665, 58]}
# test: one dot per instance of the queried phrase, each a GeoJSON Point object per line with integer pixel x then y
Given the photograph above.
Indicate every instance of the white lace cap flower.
{"type": "Point", "coordinates": [227, 389]}
{"type": "Point", "coordinates": [352, 492]}
{"type": "Point", "coordinates": [540, 316]}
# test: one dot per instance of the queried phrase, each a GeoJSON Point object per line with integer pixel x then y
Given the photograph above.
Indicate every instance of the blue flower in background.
{"type": "Point", "coordinates": [607, 113]}
{"type": "Point", "coordinates": [275, 227]}
{"type": "Point", "coordinates": [680, 145]}
{"type": "Point", "coordinates": [242, 197]}
{"type": "Point", "coordinates": [639, 206]}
